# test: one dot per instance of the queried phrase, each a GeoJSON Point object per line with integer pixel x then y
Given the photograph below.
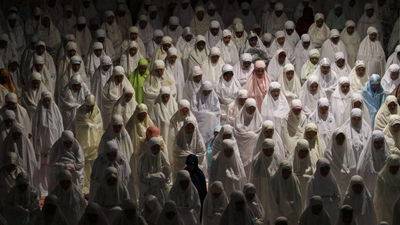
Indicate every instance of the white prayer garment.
{"type": "Point", "coordinates": [280, 42]}
{"type": "Point", "coordinates": [134, 36]}
{"type": "Point", "coordinates": [126, 104]}
{"type": "Point", "coordinates": [67, 21]}
{"type": "Point", "coordinates": [111, 92]}
{"type": "Point", "coordinates": [351, 39]}
{"type": "Point", "coordinates": [285, 195]}
{"type": "Point", "coordinates": [154, 172]}
{"type": "Point", "coordinates": [373, 159]}
{"type": "Point", "coordinates": [323, 183]}
{"type": "Point", "coordinates": [152, 46]}
{"type": "Point", "coordinates": [160, 53]}
{"type": "Point", "coordinates": [301, 53]}
{"type": "Point", "coordinates": [389, 107]}
{"type": "Point", "coordinates": [387, 189]}
{"type": "Point", "coordinates": [358, 76]}
{"type": "Point", "coordinates": [278, 61]}
{"type": "Point", "coordinates": [226, 168]}
{"type": "Point", "coordinates": [324, 119]}
{"type": "Point", "coordinates": [253, 202]}
{"type": "Point", "coordinates": [391, 79]}
{"type": "Point", "coordinates": [170, 207]}
{"type": "Point", "coordinates": [309, 67]}
{"type": "Point", "coordinates": [185, 194]}
{"type": "Point", "coordinates": [101, 36]}
{"type": "Point", "coordinates": [229, 52]}
{"type": "Point", "coordinates": [127, 216]}
{"type": "Point", "coordinates": [188, 141]}
{"type": "Point", "coordinates": [200, 22]}
{"type": "Point", "coordinates": [293, 38]}
{"type": "Point", "coordinates": [174, 67]}
{"type": "Point", "coordinates": [341, 101]}
{"type": "Point", "coordinates": [247, 16]}
{"type": "Point", "coordinates": [293, 127]}
{"type": "Point", "coordinates": [290, 83]}
{"type": "Point", "coordinates": [83, 35]}
{"type": "Point", "coordinates": [333, 45]}
{"type": "Point", "coordinates": [394, 58]}
{"type": "Point", "coordinates": [392, 136]}
{"type": "Point", "coordinates": [214, 34]}
{"type": "Point", "coordinates": [113, 31]}
{"type": "Point", "coordinates": [317, 144]}
{"type": "Point", "coordinates": [130, 58]}
{"type": "Point", "coordinates": [269, 131]}
{"type": "Point", "coordinates": [198, 54]}
{"type": "Point", "coordinates": [185, 44]}
{"type": "Point", "coordinates": [71, 50]}
{"type": "Point", "coordinates": [310, 218]}
{"type": "Point", "coordinates": [194, 83]}
{"type": "Point", "coordinates": [327, 79]}
{"type": "Point", "coordinates": [243, 69]}
{"type": "Point", "coordinates": [184, 12]}
{"type": "Point", "coordinates": [100, 77]}
{"type": "Point", "coordinates": [21, 115]}
{"type": "Point", "coordinates": [360, 201]}
{"type": "Point", "coordinates": [47, 129]}
{"type": "Point", "coordinates": [152, 209]}
{"type": "Point", "coordinates": [49, 34]}
{"type": "Point", "coordinates": [215, 203]}
{"type": "Point", "coordinates": [367, 20]}
{"type": "Point", "coordinates": [212, 66]}
{"type": "Point", "coordinates": [15, 31]}
{"type": "Point", "coordinates": [40, 67]}
{"type": "Point", "coordinates": [342, 158]}
{"type": "Point", "coordinates": [340, 65]}
{"type": "Point", "coordinates": [235, 106]}
{"type": "Point", "coordinates": [372, 53]}
{"type": "Point", "coordinates": [93, 209]}
{"type": "Point", "coordinates": [94, 60]}
{"type": "Point", "coordinates": [235, 215]}
{"type": "Point", "coordinates": [311, 92]}
{"type": "Point", "coordinates": [318, 31]}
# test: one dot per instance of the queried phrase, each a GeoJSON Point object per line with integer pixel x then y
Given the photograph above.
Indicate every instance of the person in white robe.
{"type": "Point", "coordinates": [269, 131]}
{"type": "Point", "coordinates": [21, 204]}
{"type": "Point", "coordinates": [21, 115]}
{"type": "Point", "coordinates": [281, 42]}
{"type": "Point", "coordinates": [72, 97]}
{"type": "Point", "coordinates": [315, 213]}
{"type": "Point", "coordinates": [93, 214]}
{"type": "Point", "coordinates": [170, 215]}
{"type": "Point", "coordinates": [151, 210]}
{"type": "Point", "coordinates": [323, 183]}
{"type": "Point", "coordinates": [301, 52]}
{"type": "Point", "coordinates": [214, 34]}
{"type": "Point", "coordinates": [154, 43]}
{"type": "Point", "coordinates": [32, 24]}
{"type": "Point", "coordinates": [394, 58]}
{"type": "Point", "coordinates": [360, 199]}
{"type": "Point", "coordinates": [346, 216]}
{"type": "Point", "coordinates": [309, 67]}
{"type": "Point", "coordinates": [243, 68]}
{"type": "Point", "coordinates": [177, 120]}
{"type": "Point", "coordinates": [199, 53]}
{"type": "Point", "coordinates": [83, 35]}
{"type": "Point", "coordinates": [290, 33]}
{"type": "Point", "coordinates": [230, 9]}
{"type": "Point", "coordinates": [358, 76]}
{"type": "Point", "coordinates": [188, 141]}
{"type": "Point", "coordinates": [194, 83]}
{"type": "Point", "coordinates": [326, 77]}
{"type": "Point", "coordinates": [387, 189]}
{"type": "Point", "coordinates": [333, 45]}
{"type": "Point", "coordinates": [237, 211]}
{"type": "Point", "coordinates": [15, 75]}
{"type": "Point", "coordinates": [184, 12]}
{"type": "Point", "coordinates": [229, 52]}
{"type": "Point", "coordinates": [130, 58]}
{"type": "Point", "coordinates": [342, 158]}
{"type": "Point", "coordinates": [389, 107]}
{"type": "Point", "coordinates": [111, 92]}
{"type": "Point", "coordinates": [324, 118]}
{"type": "Point", "coordinates": [134, 36]}
{"type": "Point", "coordinates": [368, 19]}
{"type": "Point", "coordinates": [226, 89]}
{"type": "Point", "coordinates": [275, 66]}
{"type": "Point", "coordinates": [72, 202]}
{"type": "Point", "coordinates": [75, 67]}
{"type": "Point", "coordinates": [100, 77]}
{"type": "Point", "coordinates": [371, 52]}
{"type": "Point", "coordinates": [293, 127]}
{"type": "Point", "coordinates": [341, 101]}
{"type": "Point", "coordinates": [390, 79]}
{"type": "Point", "coordinates": [130, 213]}
{"type": "Point", "coordinates": [357, 131]}
{"type": "Point", "coordinates": [88, 130]}
{"type": "Point", "coordinates": [392, 134]}
{"type": "Point", "coordinates": [173, 29]}
{"type": "Point", "coordinates": [7, 50]}
{"type": "Point", "coordinates": [247, 16]}
{"type": "Point", "coordinates": [200, 22]}
{"type": "Point", "coordinates": [113, 31]}
{"type": "Point", "coordinates": [275, 107]}
{"type": "Point", "coordinates": [47, 79]}
{"type": "Point", "coordinates": [15, 31]}
{"type": "Point", "coordinates": [49, 34]}
{"type": "Point", "coordinates": [214, 15]}
{"type": "Point", "coordinates": [47, 129]}
{"type": "Point", "coordinates": [214, 204]}
{"type": "Point", "coordinates": [66, 154]}
{"type": "Point", "coordinates": [93, 60]}
{"type": "Point", "coordinates": [67, 21]}
{"type": "Point", "coordinates": [8, 120]}
{"type": "Point", "coordinates": [252, 44]}
{"type": "Point", "coordinates": [101, 36]}
{"type": "Point", "coordinates": [310, 93]}
{"type": "Point", "coordinates": [285, 195]}
{"type": "Point", "coordinates": [316, 142]}
{"type": "Point", "coordinates": [154, 172]}
{"type": "Point", "coordinates": [212, 66]}
{"type": "Point", "coordinates": [351, 40]}
{"type": "Point", "coordinates": [25, 63]}
{"type": "Point", "coordinates": [290, 83]}
{"type": "Point", "coordinates": [158, 78]}
{"type": "Point", "coordinates": [145, 30]}
{"type": "Point", "coordinates": [111, 193]}
{"type": "Point", "coordinates": [240, 35]}
{"type": "Point", "coordinates": [276, 19]}
{"type": "Point", "coordinates": [253, 202]}
{"type": "Point", "coordinates": [126, 104]}
{"type": "Point", "coordinates": [185, 44]}
{"type": "Point", "coordinates": [174, 67]}
{"type": "Point", "coordinates": [226, 168]}
{"type": "Point", "coordinates": [185, 194]}
{"type": "Point", "coordinates": [71, 50]}
{"type": "Point", "coordinates": [319, 31]}
{"type": "Point", "coordinates": [124, 18]}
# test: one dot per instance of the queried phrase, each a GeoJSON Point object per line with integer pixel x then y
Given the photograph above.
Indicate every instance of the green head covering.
{"type": "Point", "coordinates": [137, 80]}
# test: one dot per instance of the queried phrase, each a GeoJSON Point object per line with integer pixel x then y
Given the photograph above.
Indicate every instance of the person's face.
{"type": "Point", "coordinates": [128, 97]}
{"type": "Point", "coordinates": [111, 181]}
{"type": "Point", "coordinates": [303, 153]}
{"type": "Point", "coordinates": [8, 122]}
{"type": "Point", "coordinates": [239, 34]}
{"type": "Point", "coordinates": [118, 79]}
{"type": "Point", "coordinates": [379, 144]}
{"type": "Point", "coordinates": [313, 88]}
{"type": "Point", "coordinates": [71, 53]}
{"type": "Point", "coordinates": [360, 71]}
{"type": "Point", "coordinates": [394, 75]}
{"type": "Point", "coordinates": [228, 76]}
{"type": "Point", "coordinates": [68, 143]}
{"type": "Point", "coordinates": [200, 15]}
{"type": "Point", "coordinates": [143, 24]}
{"type": "Point", "coordinates": [289, 31]}
{"type": "Point", "coordinates": [350, 30]}
{"type": "Point", "coordinates": [46, 22]}
{"type": "Point", "coordinates": [76, 67]}
{"type": "Point", "coordinates": [166, 46]}
{"type": "Point", "coordinates": [356, 121]}
{"type": "Point", "coordinates": [239, 206]}
{"type": "Point", "coordinates": [65, 184]}
{"type": "Point", "coordinates": [12, 22]}
{"type": "Point", "coordinates": [155, 149]}
{"type": "Point", "coordinates": [172, 59]}
{"type": "Point", "coordinates": [357, 188]}
{"type": "Point", "coordinates": [323, 110]}
{"type": "Point", "coordinates": [370, 12]}
{"type": "Point", "coordinates": [319, 23]}
{"type": "Point", "coordinates": [170, 215]}
{"type": "Point", "coordinates": [133, 36]}
{"type": "Point", "coordinates": [338, 11]}
{"type": "Point", "coordinates": [373, 36]}
{"type": "Point", "coordinates": [190, 167]}
{"type": "Point", "coordinates": [184, 184]}
{"type": "Point", "coordinates": [286, 173]}
{"type": "Point", "coordinates": [46, 102]}
{"type": "Point", "coordinates": [394, 169]}
{"type": "Point", "coordinates": [392, 107]}
{"type": "Point", "coordinates": [398, 55]}
{"type": "Point", "coordinates": [216, 195]}
{"type": "Point", "coordinates": [306, 44]}
{"type": "Point", "coordinates": [111, 156]}
{"type": "Point", "coordinates": [110, 20]}
{"type": "Point", "coordinates": [245, 12]}
{"type": "Point", "coordinates": [142, 69]}
{"type": "Point", "coordinates": [260, 73]}
{"type": "Point", "coordinates": [106, 68]}
{"type": "Point", "coordinates": [101, 39]}
{"type": "Point", "coordinates": [16, 136]}
{"type": "Point", "coordinates": [281, 41]}
{"type": "Point", "coordinates": [89, 108]}
{"type": "Point", "coordinates": [201, 45]}
{"type": "Point", "coordinates": [314, 60]}
{"type": "Point", "coordinates": [214, 59]}
{"type": "Point", "coordinates": [250, 110]}
{"type": "Point", "coordinates": [253, 41]}
{"type": "Point", "coordinates": [141, 116]}
{"type": "Point", "coordinates": [188, 37]}
{"type": "Point", "coordinates": [228, 152]}
{"type": "Point", "coordinates": [11, 105]}
{"type": "Point", "coordinates": [76, 87]}
{"type": "Point", "coordinates": [250, 196]}
{"type": "Point", "coordinates": [153, 15]}
{"type": "Point", "coordinates": [206, 92]}
{"type": "Point", "coordinates": [275, 93]}
{"type": "Point", "coordinates": [347, 217]}
{"type": "Point", "coordinates": [278, 13]}
{"type": "Point", "coordinates": [197, 79]}
{"type": "Point", "coordinates": [357, 104]}
{"type": "Point", "coordinates": [189, 128]}
{"type": "Point", "coordinates": [40, 49]}
{"type": "Point", "coordinates": [311, 135]}
{"type": "Point", "coordinates": [325, 170]}
{"type": "Point", "coordinates": [133, 51]}
{"type": "Point", "coordinates": [246, 64]}
{"type": "Point", "coordinates": [216, 134]}
{"type": "Point", "coordinates": [227, 39]}
{"type": "Point", "coordinates": [281, 59]}
{"type": "Point", "coordinates": [117, 128]}
{"type": "Point", "coordinates": [395, 128]}
{"type": "Point", "coordinates": [81, 26]}
{"type": "Point", "coordinates": [97, 52]}
{"type": "Point", "coordinates": [241, 101]}
{"type": "Point", "coordinates": [68, 14]}
{"type": "Point", "coordinates": [340, 63]}
{"type": "Point", "coordinates": [184, 112]}
{"type": "Point", "coordinates": [214, 31]}
{"type": "Point", "coordinates": [226, 136]}
{"type": "Point", "coordinates": [165, 98]}
{"type": "Point", "coordinates": [257, 31]}
{"type": "Point", "coordinates": [289, 75]}
{"type": "Point", "coordinates": [345, 88]}
{"type": "Point", "coordinates": [185, 5]}
{"type": "Point", "coordinates": [325, 69]}
{"type": "Point", "coordinates": [268, 151]}
{"type": "Point", "coordinates": [316, 209]}
{"type": "Point", "coordinates": [340, 138]}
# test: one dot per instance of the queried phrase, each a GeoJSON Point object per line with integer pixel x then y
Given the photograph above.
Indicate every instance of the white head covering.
{"type": "Point", "coordinates": [170, 206]}
{"type": "Point", "coordinates": [382, 116]}
{"type": "Point", "coordinates": [212, 204]}
{"type": "Point", "coordinates": [231, 216]}
{"type": "Point", "coordinates": [372, 52]}
{"type": "Point", "coordinates": [227, 90]}
{"type": "Point", "coordinates": [318, 35]}
{"type": "Point", "coordinates": [329, 81]}
{"type": "Point", "coordinates": [242, 73]}
{"type": "Point", "coordinates": [387, 83]}
{"type": "Point", "coordinates": [357, 83]}
{"type": "Point", "coordinates": [341, 103]}
{"type": "Point", "coordinates": [275, 69]}
{"type": "Point", "coordinates": [213, 70]}
{"type": "Point", "coordinates": [291, 88]}
{"type": "Point", "coordinates": [308, 99]}
{"type": "Point", "coordinates": [326, 123]}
